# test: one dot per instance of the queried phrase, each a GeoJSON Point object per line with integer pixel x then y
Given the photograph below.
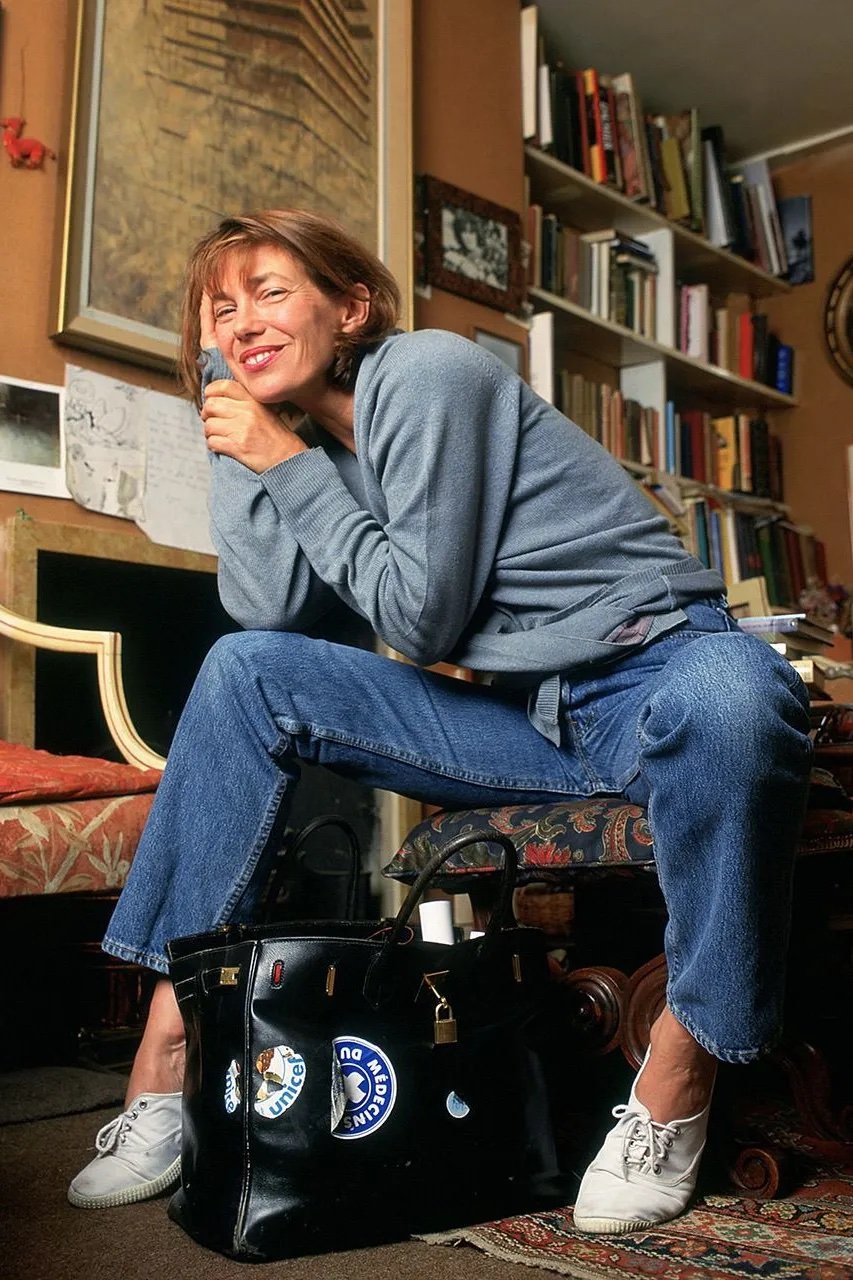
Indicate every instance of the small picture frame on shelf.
{"type": "Point", "coordinates": [512, 353]}
{"type": "Point", "coordinates": [473, 246]}
{"type": "Point", "coordinates": [32, 438]}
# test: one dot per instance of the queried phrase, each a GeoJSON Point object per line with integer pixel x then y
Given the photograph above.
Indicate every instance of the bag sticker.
{"type": "Point", "coordinates": [233, 1096]}
{"type": "Point", "coordinates": [457, 1106]}
{"type": "Point", "coordinates": [370, 1086]}
{"type": "Point", "coordinates": [283, 1071]}
{"type": "Point", "coordinates": [339, 1094]}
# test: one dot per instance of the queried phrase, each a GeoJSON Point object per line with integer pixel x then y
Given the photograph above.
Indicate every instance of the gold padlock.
{"type": "Point", "coordinates": [444, 1027]}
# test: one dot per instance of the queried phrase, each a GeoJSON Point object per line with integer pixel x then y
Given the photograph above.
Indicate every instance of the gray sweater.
{"type": "Point", "coordinates": [474, 523]}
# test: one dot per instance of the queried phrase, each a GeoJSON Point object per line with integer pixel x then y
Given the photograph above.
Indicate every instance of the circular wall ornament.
{"type": "Point", "coordinates": [838, 321]}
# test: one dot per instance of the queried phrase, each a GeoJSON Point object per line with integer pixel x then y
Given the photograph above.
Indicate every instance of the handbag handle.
{"type": "Point", "coordinates": [296, 843]}
{"type": "Point", "coordinates": [501, 916]}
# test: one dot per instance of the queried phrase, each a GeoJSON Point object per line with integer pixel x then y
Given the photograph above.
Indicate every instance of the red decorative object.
{"type": "Point", "coordinates": [24, 153]}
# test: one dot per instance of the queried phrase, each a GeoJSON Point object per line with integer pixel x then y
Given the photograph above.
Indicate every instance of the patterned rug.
{"type": "Point", "coordinates": [806, 1235]}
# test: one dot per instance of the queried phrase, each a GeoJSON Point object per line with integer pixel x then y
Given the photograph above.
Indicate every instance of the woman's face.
{"type": "Point", "coordinates": [275, 328]}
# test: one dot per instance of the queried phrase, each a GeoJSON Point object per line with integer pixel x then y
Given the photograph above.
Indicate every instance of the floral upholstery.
{"type": "Point", "coordinates": [575, 835]}
{"type": "Point", "coordinates": [68, 823]}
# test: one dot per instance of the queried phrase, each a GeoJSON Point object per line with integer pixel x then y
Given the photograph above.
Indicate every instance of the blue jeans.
{"type": "Point", "coordinates": [706, 725]}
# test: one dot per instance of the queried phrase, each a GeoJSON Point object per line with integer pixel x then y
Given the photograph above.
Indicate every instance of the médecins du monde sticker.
{"type": "Point", "coordinates": [370, 1085]}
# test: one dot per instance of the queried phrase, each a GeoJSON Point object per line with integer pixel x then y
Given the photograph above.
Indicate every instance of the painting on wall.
{"type": "Point", "coordinates": [181, 115]}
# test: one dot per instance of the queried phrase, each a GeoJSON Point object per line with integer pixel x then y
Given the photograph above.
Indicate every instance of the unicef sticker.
{"type": "Point", "coordinates": [283, 1072]}
{"type": "Point", "coordinates": [370, 1086]}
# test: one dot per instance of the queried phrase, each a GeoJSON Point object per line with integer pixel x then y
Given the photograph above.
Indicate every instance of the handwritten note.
{"type": "Point", "coordinates": [176, 476]}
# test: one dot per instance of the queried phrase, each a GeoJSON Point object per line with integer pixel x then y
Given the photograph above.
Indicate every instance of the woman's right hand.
{"type": "Point", "coordinates": [207, 324]}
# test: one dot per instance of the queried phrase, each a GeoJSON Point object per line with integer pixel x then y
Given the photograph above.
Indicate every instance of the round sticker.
{"type": "Point", "coordinates": [370, 1086]}
{"type": "Point", "coordinates": [457, 1107]}
{"type": "Point", "coordinates": [283, 1072]}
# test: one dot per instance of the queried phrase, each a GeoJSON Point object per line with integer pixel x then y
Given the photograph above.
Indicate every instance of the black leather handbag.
{"type": "Point", "coordinates": [348, 1083]}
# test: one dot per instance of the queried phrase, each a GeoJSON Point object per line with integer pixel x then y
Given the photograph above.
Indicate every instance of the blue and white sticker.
{"type": "Point", "coordinates": [457, 1107]}
{"type": "Point", "coordinates": [283, 1074]}
{"type": "Point", "coordinates": [233, 1097]}
{"type": "Point", "coordinates": [370, 1086]}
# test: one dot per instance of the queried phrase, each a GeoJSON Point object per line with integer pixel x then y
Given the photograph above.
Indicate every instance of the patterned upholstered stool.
{"type": "Point", "coordinates": [587, 877]}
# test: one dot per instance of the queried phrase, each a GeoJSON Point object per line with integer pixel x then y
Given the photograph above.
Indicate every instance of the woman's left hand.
{"type": "Point", "coordinates": [238, 426]}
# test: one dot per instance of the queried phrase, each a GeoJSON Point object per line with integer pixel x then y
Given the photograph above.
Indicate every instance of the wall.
{"type": "Point", "coordinates": [818, 432]}
{"type": "Point", "coordinates": [28, 199]}
{"type": "Point", "coordinates": [468, 126]}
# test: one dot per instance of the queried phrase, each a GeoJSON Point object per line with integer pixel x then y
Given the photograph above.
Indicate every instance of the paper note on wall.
{"type": "Point", "coordinates": [137, 454]}
{"type": "Point", "coordinates": [104, 442]}
{"type": "Point", "coordinates": [176, 475]}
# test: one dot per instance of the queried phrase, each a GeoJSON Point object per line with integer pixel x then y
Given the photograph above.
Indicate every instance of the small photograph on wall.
{"type": "Point", "coordinates": [473, 246]}
{"type": "Point", "coordinates": [32, 443]}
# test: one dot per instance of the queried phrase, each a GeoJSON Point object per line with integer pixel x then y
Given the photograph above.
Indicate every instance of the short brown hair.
{"type": "Point", "coordinates": [334, 261]}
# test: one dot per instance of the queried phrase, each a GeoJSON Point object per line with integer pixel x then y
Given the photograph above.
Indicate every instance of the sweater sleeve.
{"type": "Point", "coordinates": [265, 580]}
{"type": "Point", "coordinates": [431, 412]}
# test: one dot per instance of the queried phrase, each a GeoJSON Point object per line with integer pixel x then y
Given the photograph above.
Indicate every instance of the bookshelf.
{"type": "Point", "coordinates": [729, 528]}
{"type": "Point", "coordinates": [590, 205]}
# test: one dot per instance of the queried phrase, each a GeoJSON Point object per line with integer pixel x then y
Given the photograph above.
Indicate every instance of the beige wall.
{"type": "Point", "coordinates": [817, 433]}
{"type": "Point", "coordinates": [28, 200]}
{"type": "Point", "coordinates": [467, 126]}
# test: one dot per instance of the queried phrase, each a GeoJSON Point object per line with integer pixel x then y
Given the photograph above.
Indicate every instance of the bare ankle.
{"type": "Point", "coordinates": [678, 1077]}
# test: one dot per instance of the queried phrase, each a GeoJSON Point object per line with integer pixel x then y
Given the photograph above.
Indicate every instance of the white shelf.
{"type": "Point", "coordinates": [589, 206]}
{"type": "Point", "coordinates": [577, 330]}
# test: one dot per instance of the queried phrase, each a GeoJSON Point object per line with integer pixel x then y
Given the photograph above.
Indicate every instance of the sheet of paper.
{"type": "Point", "coordinates": [176, 475]}
{"type": "Point", "coordinates": [104, 442]}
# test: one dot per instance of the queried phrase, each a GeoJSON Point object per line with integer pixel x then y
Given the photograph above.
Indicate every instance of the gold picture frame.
{"type": "Point", "coordinates": [106, 293]}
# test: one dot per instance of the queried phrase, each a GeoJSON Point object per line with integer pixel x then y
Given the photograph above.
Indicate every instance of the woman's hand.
{"type": "Point", "coordinates": [239, 427]}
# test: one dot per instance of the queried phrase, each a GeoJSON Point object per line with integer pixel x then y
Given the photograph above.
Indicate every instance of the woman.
{"type": "Point", "coordinates": [436, 495]}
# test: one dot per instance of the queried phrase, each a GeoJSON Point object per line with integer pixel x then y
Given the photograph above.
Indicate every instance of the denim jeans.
{"type": "Point", "coordinates": [706, 725]}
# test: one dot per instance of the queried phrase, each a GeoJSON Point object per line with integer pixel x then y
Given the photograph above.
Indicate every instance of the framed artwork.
{"type": "Point", "coordinates": [179, 116]}
{"type": "Point", "coordinates": [473, 247]}
{"type": "Point", "coordinates": [838, 321]}
{"type": "Point", "coordinates": [32, 438]}
{"type": "Point", "coordinates": [512, 353]}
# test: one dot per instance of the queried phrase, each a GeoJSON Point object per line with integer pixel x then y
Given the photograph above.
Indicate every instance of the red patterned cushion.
{"type": "Point", "coordinates": [28, 775]}
{"type": "Point", "coordinates": [82, 845]}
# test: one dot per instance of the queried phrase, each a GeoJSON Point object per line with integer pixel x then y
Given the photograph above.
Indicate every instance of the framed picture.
{"type": "Point", "coordinates": [512, 353]}
{"type": "Point", "coordinates": [473, 247]}
{"type": "Point", "coordinates": [32, 438]}
{"type": "Point", "coordinates": [220, 110]}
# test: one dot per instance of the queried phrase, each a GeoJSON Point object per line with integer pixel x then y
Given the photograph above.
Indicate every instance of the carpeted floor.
{"type": "Point", "coordinates": [40, 1092]}
{"type": "Point", "coordinates": [806, 1235]}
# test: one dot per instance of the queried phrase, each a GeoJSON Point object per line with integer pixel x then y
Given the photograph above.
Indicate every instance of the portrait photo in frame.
{"type": "Point", "coordinates": [211, 116]}
{"type": "Point", "coordinates": [473, 246]}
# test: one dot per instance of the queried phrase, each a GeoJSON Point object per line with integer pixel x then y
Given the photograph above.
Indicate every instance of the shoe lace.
{"type": "Point", "coordinates": [116, 1131]}
{"type": "Point", "coordinates": [645, 1142]}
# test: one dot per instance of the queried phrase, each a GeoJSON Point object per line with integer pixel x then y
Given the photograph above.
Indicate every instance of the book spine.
{"type": "Point", "coordinates": [597, 159]}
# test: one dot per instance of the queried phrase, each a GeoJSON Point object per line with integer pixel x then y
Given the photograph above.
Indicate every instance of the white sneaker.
{"type": "Point", "coordinates": [645, 1172]}
{"type": "Point", "coordinates": [139, 1155]}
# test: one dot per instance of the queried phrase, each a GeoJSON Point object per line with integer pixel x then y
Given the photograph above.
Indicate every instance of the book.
{"type": "Point", "coordinates": [716, 178]}
{"type": "Point", "coordinates": [676, 200]}
{"type": "Point", "coordinates": [609, 143]}
{"type": "Point", "coordinates": [756, 176]}
{"type": "Point", "coordinates": [529, 71]}
{"type": "Point", "coordinates": [726, 473]}
{"type": "Point", "coordinates": [597, 160]}
{"type": "Point", "coordinates": [783, 374]}
{"type": "Point", "coordinates": [795, 217]}
{"type": "Point", "coordinates": [632, 139]}
{"type": "Point", "coordinates": [541, 355]}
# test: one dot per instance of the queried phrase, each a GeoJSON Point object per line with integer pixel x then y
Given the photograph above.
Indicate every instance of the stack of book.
{"type": "Point", "coordinates": [792, 634]}
{"type": "Point", "coordinates": [595, 123]}
{"type": "Point", "coordinates": [626, 428]}
{"type": "Point", "coordinates": [611, 274]}
{"type": "Point", "coordinates": [735, 451]}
